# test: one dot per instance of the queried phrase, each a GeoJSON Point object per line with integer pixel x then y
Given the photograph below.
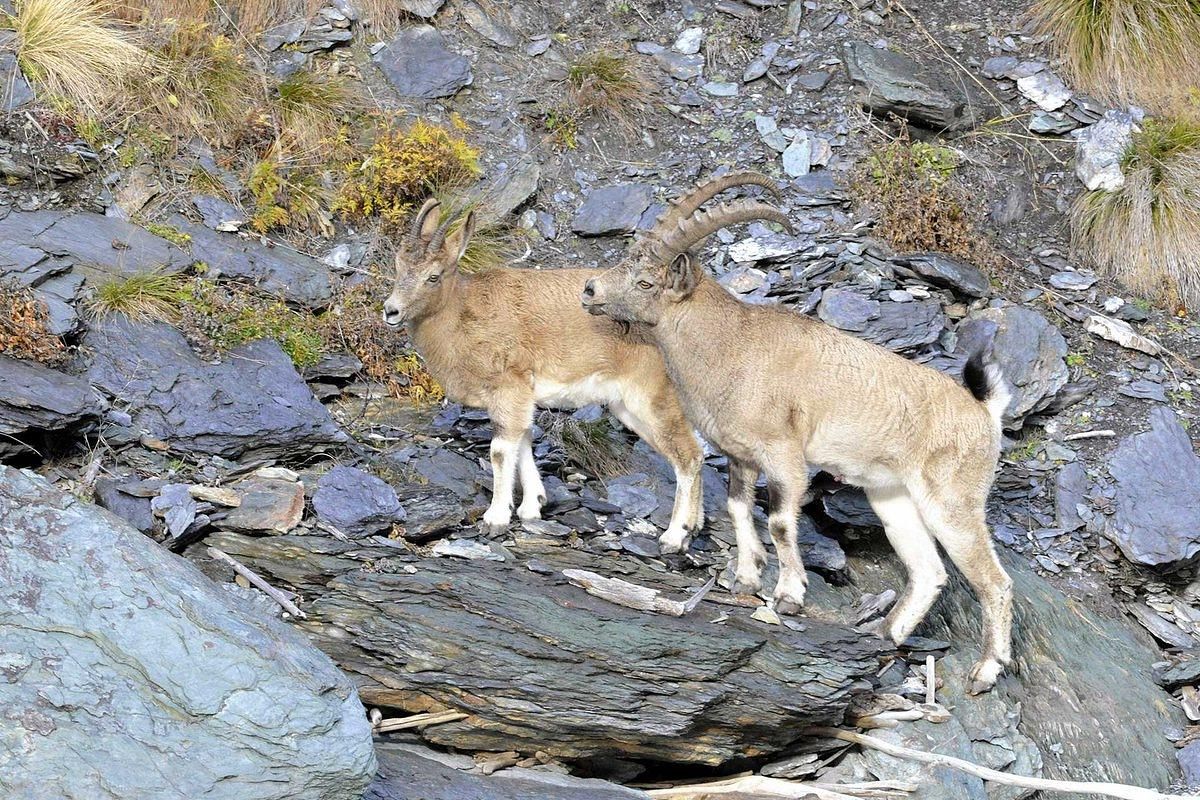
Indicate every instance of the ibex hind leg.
{"type": "Point", "coordinates": [914, 546]}
{"type": "Point", "coordinates": [960, 526]}
{"type": "Point", "coordinates": [664, 428]}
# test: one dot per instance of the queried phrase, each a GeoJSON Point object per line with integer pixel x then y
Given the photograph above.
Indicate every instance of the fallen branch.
{"type": "Point", "coordinates": [762, 786]}
{"type": "Point", "coordinates": [1104, 434]}
{"type": "Point", "coordinates": [269, 590]}
{"type": "Point", "coordinates": [1118, 790]}
{"type": "Point", "coordinates": [630, 595]}
{"type": "Point", "coordinates": [417, 721]}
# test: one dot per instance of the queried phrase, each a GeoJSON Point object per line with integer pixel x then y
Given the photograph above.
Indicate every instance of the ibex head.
{"type": "Point", "coordinates": [428, 255]}
{"type": "Point", "coordinates": [659, 268]}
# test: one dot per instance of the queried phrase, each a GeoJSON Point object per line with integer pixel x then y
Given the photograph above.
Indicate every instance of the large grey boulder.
{"type": "Point", "coordinates": [126, 673]}
{"type": "Point", "coordinates": [896, 326]}
{"type": "Point", "coordinates": [418, 64]}
{"type": "Point", "coordinates": [1030, 352]}
{"type": "Point", "coordinates": [1157, 519]}
{"type": "Point", "coordinates": [893, 83]}
{"type": "Point", "coordinates": [251, 403]}
{"type": "Point", "coordinates": [36, 401]}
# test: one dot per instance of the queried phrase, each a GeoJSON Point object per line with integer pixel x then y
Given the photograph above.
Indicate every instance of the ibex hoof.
{"type": "Point", "coordinates": [673, 541]}
{"type": "Point", "coordinates": [983, 676]}
{"type": "Point", "coordinates": [529, 512]}
{"type": "Point", "coordinates": [495, 522]}
{"type": "Point", "coordinates": [789, 596]}
{"type": "Point", "coordinates": [748, 583]}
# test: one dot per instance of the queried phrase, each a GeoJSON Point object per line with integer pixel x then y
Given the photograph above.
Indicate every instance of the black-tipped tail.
{"type": "Point", "coordinates": [975, 377]}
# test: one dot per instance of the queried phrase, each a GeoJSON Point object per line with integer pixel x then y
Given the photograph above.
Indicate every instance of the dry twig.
{"type": "Point", "coordinates": [259, 583]}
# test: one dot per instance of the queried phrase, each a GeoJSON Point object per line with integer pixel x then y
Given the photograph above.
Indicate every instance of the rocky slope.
{"type": "Point", "coordinates": [1096, 503]}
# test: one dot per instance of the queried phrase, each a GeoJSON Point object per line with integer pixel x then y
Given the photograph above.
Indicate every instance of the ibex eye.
{"type": "Point", "coordinates": [434, 278]}
{"type": "Point", "coordinates": [645, 285]}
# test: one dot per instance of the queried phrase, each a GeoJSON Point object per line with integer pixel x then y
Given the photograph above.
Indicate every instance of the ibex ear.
{"type": "Point", "coordinates": [456, 243]}
{"type": "Point", "coordinates": [682, 276]}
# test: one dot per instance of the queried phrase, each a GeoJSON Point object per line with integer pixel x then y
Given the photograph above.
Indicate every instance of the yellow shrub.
{"type": "Point", "coordinates": [23, 327]}
{"type": "Point", "coordinates": [403, 166]}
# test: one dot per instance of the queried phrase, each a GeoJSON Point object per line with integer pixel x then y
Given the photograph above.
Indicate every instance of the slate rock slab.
{"type": "Point", "coordinates": [128, 673]}
{"type": "Point", "coordinates": [36, 402]}
{"type": "Point", "coordinates": [1100, 147]}
{"type": "Point", "coordinates": [942, 270]}
{"type": "Point", "coordinates": [1065, 645]}
{"type": "Point", "coordinates": [612, 209]}
{"type": "Point", "coordinates": [356, 502]}
{"type": "Point", "coordinates": [429, 511]}
{"type": "Point", "coordinates": [1157, 476]}
{"type": "Point", "coordinates": [279, 271]}
{"type": "Point", "coordinates": [100, 247]}
{"type": "Point", "coordinates": [407, 772]}
{"type": "Point", "coordinates": [252, 403]}
{"type": "Point", "coordinates": [538, 664]}
{"type": "Point", "coordinates": [1029, 350]}
{"type": "Point", "coordinates": [418, 64]}
{"type": "Point", "coordinates": [896, 326]}
{"type": "Point", "coordinates": [893, 83]}
{"type": "Point", "coordinates": [15, 91]}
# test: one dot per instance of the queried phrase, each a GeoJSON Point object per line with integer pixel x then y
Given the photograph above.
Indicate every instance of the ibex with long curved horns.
{"type": "Point", "coordinates": [507, 340]}
{"type": "Point", "coordinates": [779, 392]}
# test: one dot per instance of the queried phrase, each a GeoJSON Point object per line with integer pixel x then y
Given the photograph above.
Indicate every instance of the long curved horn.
{"type": "Point", "coordinates": [705, 222]}
{"type": "Point", "coordinates": [683, 207]}
{"type": "Point", "coordinates": [439, 236]}
{"type": "Point", "coordinates": [414, 231]}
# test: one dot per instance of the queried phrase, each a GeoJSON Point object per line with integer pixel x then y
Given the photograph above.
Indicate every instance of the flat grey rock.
{"type": "Point", "coordinates": [487, 27]}
{"type": "Point", "coordinates": [1029, 350]}
{"type": "Point", "coordinates": [896, 326]}
{"type": "Point", "coordinates": [274, 270]}
{"type": "Point", "coordinates": [1072, 281]}
{"type": "Point", "coordinates": [679, 66]}
{"type": "Point", "coordinates": [429, 511]}
{"type": "Point", "coordinates": [418, 64]}
{"type": "Point", "coordinates": [356, 502]}
{"type": "Point", "coordinates": [37, 402]}
{"type": "Point", "coordinates": [1157, 519]}
{"type": "Point", "coordinates": [506, 190]}
{"type": "Point", "coordinates": [951, 273]}
{"type": "Point", "coordinates": [15, 91]}
{"type": "Point", "coordinates": [217, 213]}
{"type": "Point", "coordinates": [131, 674]}
{"type": "Point", "coordinates": [893, 83]}
{"type": "Point", "coordinates": [1100, 147]}
{"type": "Point", "coordinates": [612, 209]}
{"type": "Point", "coordinates": [251, 403]}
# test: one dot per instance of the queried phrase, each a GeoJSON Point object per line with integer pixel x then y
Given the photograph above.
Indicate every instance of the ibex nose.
{"type": "Point", "coordinates": [589, 289]}
{"type": "Point", "coordinates": [391, 314]}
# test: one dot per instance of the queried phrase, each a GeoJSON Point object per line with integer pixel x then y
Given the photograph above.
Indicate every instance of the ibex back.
{"type": "Point", "coordinates": [507, 340]}
{"type": "Point", "coordinates": [779, 392]}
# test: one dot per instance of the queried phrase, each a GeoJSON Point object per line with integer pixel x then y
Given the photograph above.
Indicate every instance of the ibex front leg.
{"type": "Point", "coordinates": [512, 416]}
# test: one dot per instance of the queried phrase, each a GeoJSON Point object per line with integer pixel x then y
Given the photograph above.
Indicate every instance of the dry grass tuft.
{"type": "Point", "coordinates": [23, 327]}
{"type": "Point", "coordinates": [593, 447]}
{"type": "Point", "coordinates": [1122, 50]}
{"type": "Point", "coordinates": [201, 84]}
{"type": "Point", "coordinates": [76, 50]}
{"type": "Point", "coordinates": [149, 297]}
{"type": "Point", "coordinates": [403, 166]}
{"type": "Point", "coordinates": [491, 246]}
{"type": "Point", "coordinates": [609, 85]}
{"type": "Point", "coordinates": [1147, 233]}
{"type": "Point", "coordinates": [919, 206]}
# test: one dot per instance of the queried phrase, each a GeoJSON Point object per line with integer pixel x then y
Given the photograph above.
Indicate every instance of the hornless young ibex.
{"type": "Point", "coordinates": [779, 392]}
{"type": "Point", "coordinates": [506, 340]}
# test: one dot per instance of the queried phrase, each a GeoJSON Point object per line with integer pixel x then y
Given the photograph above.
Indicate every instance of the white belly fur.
{"type": "Point", "coordinates": [592, 389]}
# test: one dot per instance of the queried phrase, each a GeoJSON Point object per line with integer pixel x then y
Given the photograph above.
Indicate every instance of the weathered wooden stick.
{"type": "Point", "coordinates": [630, 595]}
{"type": "Point", "coordinates": [930, 680]}
{"type": "Point", "coordinates": [1118, 790]}
{"type": "Point", "coordinates": [762, 786]}
{"type": "Point", "coordinates": [250, 575]}
{"type": "Point", "coordinates": [418, 721]}
{"type": "Point", "coordinates": [1104, 434]}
